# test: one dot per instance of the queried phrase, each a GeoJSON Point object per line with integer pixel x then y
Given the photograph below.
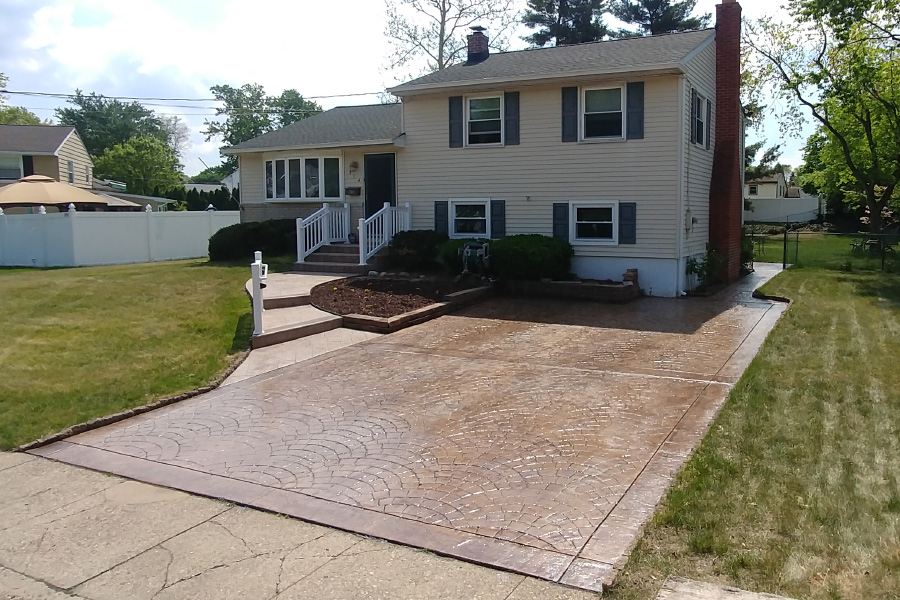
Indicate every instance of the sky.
{"type": "Point", "coordinates": [180, 48]}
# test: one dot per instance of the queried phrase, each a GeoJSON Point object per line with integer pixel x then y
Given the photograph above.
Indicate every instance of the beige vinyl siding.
{"type": "Point", "coordinates": [252, 176]}
{"type": "Point", "coordinates": [765, 190]}
{"type": "Point", "coordinates": [73, 149]}
{"type": "Point", "coordinates": [543, 170]}
{"type": "Point", "coordinates": [701, 75]}
{"type": "Point", "coordinates": [46, 165]}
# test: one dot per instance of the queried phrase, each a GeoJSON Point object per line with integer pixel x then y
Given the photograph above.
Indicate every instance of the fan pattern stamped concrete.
{"type": "Point", "coordinates": [533, 436]}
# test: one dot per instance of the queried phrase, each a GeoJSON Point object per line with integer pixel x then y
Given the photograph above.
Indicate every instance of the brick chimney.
{"type": "Point", "coordinates": [726, 201]}
{"type": "Point", "coordinates": [478, 46]}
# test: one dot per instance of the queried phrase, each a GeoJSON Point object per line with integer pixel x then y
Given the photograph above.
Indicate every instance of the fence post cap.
{"type": "Point", "coordinates": [1, 211]}
{"type": "Point", "coordinates": [71, 207]}
{"type": "Point", "coordinates": [147, 209]}
{"type": "Point", "coordinates": [257, 256]}
{"type": "Point", "coordinates": [42, 210]}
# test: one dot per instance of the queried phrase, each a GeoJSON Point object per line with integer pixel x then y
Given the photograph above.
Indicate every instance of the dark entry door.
{"type": "Point", "coordinates": [381, 182]}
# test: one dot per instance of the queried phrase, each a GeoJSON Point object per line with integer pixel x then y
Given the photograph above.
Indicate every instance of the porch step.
{"type": "Point", "coordinates": [333, 257]}
{"type": "Point", "coordinates": [341, 249]}
{"type": "Point", "coordinates": [285, 324]}
{"type": "Point", "coordinates": [330, 267]}
{"type": "Point", "coordinates": [340, 258]}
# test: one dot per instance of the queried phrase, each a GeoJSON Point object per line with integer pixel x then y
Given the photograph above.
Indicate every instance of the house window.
{"type": "Point", "coordinates": [303, 178]}
{"type": "Point", "coordinates": [87, 173]}
{"type": "Point", "coordinates": [754, 190]}
{"type": "Point", "coordinates": [602, 116]}
{"type": "Point", "coordinates": [10, 167]}
{"type": "Point", "coordinates": [594, 223]}
{"type": "Point", "coordinates": [700, 121]}
{"type": "Point", "coordinates": [71, 169]}
{"type": "Point", "coordinates": [485, 120]}
{"type": "Point", "coordinates": [469, 218]}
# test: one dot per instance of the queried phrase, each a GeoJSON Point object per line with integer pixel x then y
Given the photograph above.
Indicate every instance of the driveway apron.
{"type": "Point", "coordinates": [533, 436]}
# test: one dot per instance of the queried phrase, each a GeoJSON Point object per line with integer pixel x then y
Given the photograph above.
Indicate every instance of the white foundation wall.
{"type": "Point", "coordinates": [82, 239]}
{"type": "Point", "coordinates": [657, 277]}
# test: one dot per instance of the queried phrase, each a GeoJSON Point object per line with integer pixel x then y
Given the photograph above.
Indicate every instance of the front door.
{"type": "Point", "coordinates": [381, 181]}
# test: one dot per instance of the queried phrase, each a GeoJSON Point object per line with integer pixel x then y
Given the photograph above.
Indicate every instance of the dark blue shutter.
{"type": "Point", "coordinates": [570, 114]}
{"type": "Point", "coordinates": [511, 116]}
{"type": "Point", "coordinates": [708, 123]}
{"type": "Point", "coordinates": [498, 219]}
{"type": "Point", "coordinates": [635, 127]}
{"type": "Point", "coordinates": [456, 122]}
{"type": "Point", "coordinates": [27, 165]}
{"type": "Point", "coordinates": [561, 220]}
{"type": "Point", "coordinates": [693, 116]}
{"type": "Point", "coordinates": [442, 217]}
{"type": "Point", "coordinates": [627, 223]}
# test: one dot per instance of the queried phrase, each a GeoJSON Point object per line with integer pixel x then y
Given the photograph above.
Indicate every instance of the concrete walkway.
{"type": "Point", "coordinates": [73, 534]}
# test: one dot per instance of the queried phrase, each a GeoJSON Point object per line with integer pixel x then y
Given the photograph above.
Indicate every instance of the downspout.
{"type": "Point", "coordinates": [682, 176]}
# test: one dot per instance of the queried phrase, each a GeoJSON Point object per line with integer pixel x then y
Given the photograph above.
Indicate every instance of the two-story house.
{"type": "Point", "coordinates": [770, 199]}
{"type": "Point", "coordinates": [629, 149]}
{"type": "Point", "coordinates": [52, 150]}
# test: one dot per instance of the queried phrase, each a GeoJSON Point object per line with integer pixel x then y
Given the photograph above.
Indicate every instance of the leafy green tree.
{"type": "Point", "coordinates": [842, 71]}
{"type": "Point", "coordinates": [142, 163]}
{"type": "Point", "coordinates": [211, 174]}
{"type": "Point", "coordinates": [103, 123]}
{"type": "Point", "coordinates": [653, 17]}
{"type": "Point", "coordinates": [432, 33]}
{"type": "Point", "coordinates": [290, 107]}
{"type": "Point", "coordinates": [14, 115]}
{"type": "Point", "coordinates": [565, 21]}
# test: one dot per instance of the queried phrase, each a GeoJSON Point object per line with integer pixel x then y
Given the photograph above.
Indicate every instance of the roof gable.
{"type": "Point", "coordinates": [639, 54]}
{"type": "Point", "coordinates": [344, 125]}
{"type": "Point", "coordinates": [33, 139]}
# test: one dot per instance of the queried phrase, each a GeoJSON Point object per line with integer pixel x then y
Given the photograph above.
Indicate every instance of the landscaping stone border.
{"type": "Point", "coordinates": [131, 412]}
{"type": "Point", "coordinates": [454, 301]}
{"type": "Point", "coordinates": [618, 293]}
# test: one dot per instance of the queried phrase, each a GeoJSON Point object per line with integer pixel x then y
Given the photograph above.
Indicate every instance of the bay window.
{"type": "Point", "coordinates": [306, 178]}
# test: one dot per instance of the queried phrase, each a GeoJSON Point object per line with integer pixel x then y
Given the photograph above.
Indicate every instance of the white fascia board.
{"type": "Point", "coordinates": [664, 69]}
{"type": "Point", "coordinates": [700, 48]}
{"type": "Point", "coordinates": [236, 151]}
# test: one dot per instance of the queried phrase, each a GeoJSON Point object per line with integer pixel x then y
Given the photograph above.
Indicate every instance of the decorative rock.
{"type": "Point", "coordinates": [421, 277]}
{"type": "Point", "coordinates": [384, 274]}
{"type": "Point", "coordinates": [546, 280]}
{"type": "Point", "coordinates": [403, 274]}
{"type": "Point", "coordinates": [373, 273]}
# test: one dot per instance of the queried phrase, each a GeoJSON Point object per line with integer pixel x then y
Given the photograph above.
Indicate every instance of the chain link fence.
{"type": "Point", "coordinates": [801, 245]}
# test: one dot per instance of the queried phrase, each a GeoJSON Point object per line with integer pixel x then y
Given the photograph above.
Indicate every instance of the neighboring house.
{"type": "Point", "coordinates": [52, 150]}
{"type": "Point", "coordinates": [629, 149]}
{"type": "Point", "coordinates": [232, 181]}
{"type": "Point", "coordinates": [771, 200]}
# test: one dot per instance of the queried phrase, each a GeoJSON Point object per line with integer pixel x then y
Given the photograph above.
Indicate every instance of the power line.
{"type": "Point", "coordinates": [160, 99]}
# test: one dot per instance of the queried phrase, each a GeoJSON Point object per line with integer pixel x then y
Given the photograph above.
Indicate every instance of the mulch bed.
{"type": "Point", "coordinates": [383, 296]}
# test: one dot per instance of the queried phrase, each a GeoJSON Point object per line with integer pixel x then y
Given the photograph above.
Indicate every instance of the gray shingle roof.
{"type": "Point", "coordinates": [613, 56]}
{"type": "Point", "coordinates": [341, 125]}
{"type": "Point", "coordinates": [35, 139]}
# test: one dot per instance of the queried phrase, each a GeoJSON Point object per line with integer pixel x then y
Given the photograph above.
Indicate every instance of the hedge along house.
{"type": "Point", "coordinates": [629, 149]}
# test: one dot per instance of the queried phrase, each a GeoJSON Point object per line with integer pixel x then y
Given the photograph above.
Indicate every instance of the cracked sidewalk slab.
{"type": "Point", "coordinates": [120, 539]}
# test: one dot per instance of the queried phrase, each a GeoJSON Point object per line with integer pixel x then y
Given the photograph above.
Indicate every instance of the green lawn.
{"type": "Point", "coordinates": [81, 343]}
{"type": "Point", "coordinates": [796, 488]}
{"type": "Point", "coordinates": [829, 251]}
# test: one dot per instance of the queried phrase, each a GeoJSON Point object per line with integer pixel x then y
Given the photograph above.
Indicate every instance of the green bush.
{"type": "Point", "coordinates": [412, 250]}
{"type": "Point", "coordinates": [238, 242]}
{"type": "Point", "coordinates": [449, 254]}
{"type": "Point", "coordinates": [531, 257]}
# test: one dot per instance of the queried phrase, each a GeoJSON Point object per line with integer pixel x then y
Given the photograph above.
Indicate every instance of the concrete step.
{"type": "Point", "coordinates": [340, 249]}
{"type": "Point", "coordinates": [285, 324]}
{"type": "Point", "coordinates": [333, 257]}
{"type": "Point", "coordinates": [336, 268]}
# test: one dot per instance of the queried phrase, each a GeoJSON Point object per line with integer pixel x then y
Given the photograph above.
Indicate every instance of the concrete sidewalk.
{"type": "Point", "coordinates": [70, 533]}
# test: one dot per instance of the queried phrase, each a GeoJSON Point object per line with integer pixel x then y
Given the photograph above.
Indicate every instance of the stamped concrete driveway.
{"type": "Point", "coordinates": [534, 436]}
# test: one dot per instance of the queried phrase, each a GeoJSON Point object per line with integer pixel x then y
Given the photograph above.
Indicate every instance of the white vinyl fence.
{"type": "Point", "coordinates": [783, 210]}
{"type": "Point", "coordinates": [74, 239]}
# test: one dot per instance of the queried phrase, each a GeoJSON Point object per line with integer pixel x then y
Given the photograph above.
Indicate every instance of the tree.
{"type": "Point", "coordinates": [103, 123]}
{"type": "Point", "coordinates": [142, 163]}
{"type": "Point", "coordinates": [842, 71]}
{"type": "Point", "coordinates": [434, 31]}
{"type": "Point", "coordinates": [211, 174]}
{"type": "Point", "coordinates": [250, 113]}
{"type": "Point", "coordinates": [768, 163]}
{"type": "Point", "coordinates": [178, 134]}
{"type": "Point", "coordinates": [14, 115]}
{"type": "Point", "coordinates": [565, 21]}
{"type": "Point", "coordinates": [658, 16]}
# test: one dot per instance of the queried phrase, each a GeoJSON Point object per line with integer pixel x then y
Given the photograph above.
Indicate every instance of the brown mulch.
{"type": "Point", "coordinates": [382, 296]}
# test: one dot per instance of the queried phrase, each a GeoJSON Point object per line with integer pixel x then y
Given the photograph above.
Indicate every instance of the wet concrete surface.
{"type": "Point", "coordinates": [534, 436]}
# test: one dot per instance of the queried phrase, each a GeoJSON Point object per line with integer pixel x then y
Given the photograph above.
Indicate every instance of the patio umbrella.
{"type": "Point", "coordinates": [39, 190]}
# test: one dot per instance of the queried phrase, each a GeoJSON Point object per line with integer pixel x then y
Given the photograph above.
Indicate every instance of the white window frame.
{"type": "Point", "coordinates": [700, 117]}
{"type": "Point", "coordinates": [21, 166]}
{"type": "Point", "coordinates": [451, 209]}
{"type": "Point", "coordinates": [289, 195]}
{"type": "Point", "coordinates": [573, 229]}
{"type": "Point", "coordinates": [467, 109]}
{"type": "Point", "coordinates": [70, 171]}
{"type": "Point", "coordinates": [753, 190]}
{"type": "Point", "coordinates": [582, 104]}
{"type": "Point", "coordinates": [87, 173]}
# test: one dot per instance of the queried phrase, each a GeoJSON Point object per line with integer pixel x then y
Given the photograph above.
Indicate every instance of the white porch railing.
{"type": "Point", "coordinates": [376, 232]}
{"type": "Point", "coordinates": [327, 225]}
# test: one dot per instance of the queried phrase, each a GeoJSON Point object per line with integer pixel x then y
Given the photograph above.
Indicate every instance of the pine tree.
{"type": "Point", "coordinates": [565, 21]}
{"type": "Point", "coordinates": [658, 16]}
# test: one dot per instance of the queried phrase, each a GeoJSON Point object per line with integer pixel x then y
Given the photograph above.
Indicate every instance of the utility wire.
{"type": "Point", "coordinates": [61, 95]}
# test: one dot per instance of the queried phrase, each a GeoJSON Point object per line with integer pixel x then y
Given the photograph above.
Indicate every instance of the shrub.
{"type": "Point", "coordinates": [415, 249]}
{"type": "Point", "coordinates": [531, 257]}
{"type": "Point", "coordinates": [237, 242]}
{"type": "Point", "coordinates": [710, 270]}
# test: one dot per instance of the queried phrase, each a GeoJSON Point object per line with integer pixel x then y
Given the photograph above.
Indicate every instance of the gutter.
{"type": "Point", "coordinates": [236, 151]}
